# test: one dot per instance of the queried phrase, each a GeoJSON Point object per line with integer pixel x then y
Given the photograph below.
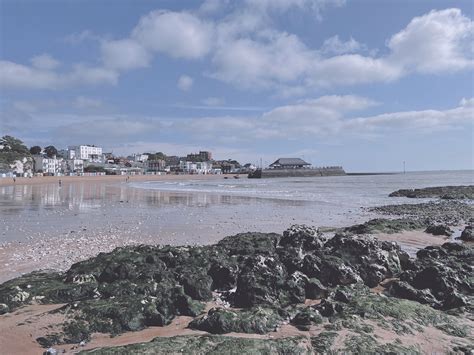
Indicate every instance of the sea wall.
{"type": "Point", "coordinates": [331, 171]}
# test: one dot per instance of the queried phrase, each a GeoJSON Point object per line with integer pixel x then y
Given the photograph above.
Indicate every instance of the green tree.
{"type": "Point", "coordinates": [35, 150]}
{"type": "Point", "coordinates": [12, 144]}
{"type": "Point", "coordinates": [12, 149]}
{"type": "Point", "coordinates": [50, 151]}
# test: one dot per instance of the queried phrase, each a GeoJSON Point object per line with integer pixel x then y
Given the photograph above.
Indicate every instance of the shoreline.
{"type": "Point", "coordinates": [38, 180]}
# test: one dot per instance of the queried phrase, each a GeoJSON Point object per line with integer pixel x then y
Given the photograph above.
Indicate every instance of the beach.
{"type": "Point", "coordinates": [191, 222]}
{"type": "Point", "coordinates": [47, 226]}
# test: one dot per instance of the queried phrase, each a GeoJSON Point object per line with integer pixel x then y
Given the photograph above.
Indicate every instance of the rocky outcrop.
{"type": "Point", "coordinates": [443, 192]}
{"type": "Point", "coordinates": [268, 276]}
{"type": "Point", "coordinates": [441, 276]}
{"type": "Point", "coordinates": [221, 321]}
{"type": "Point", "coordinates": [383, 225]}
{"type": "Point", "coordinates": [467, 234]}
{"type": "Point", "coordinates": [439, 229]}
{"type": "Point", "coordinates": [448, 213]}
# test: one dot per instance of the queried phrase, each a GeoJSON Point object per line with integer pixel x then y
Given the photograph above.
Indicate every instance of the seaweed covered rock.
{"type": "Point", "coordinates": [260, 282]}
{"type": "Point", "coordinates": [383, 225]}
{"type": "Point", "coordinates": [213, 345]}
{"type": "Point", "coordinates": [467, 234]}
{"type": "Point", "coordinates": [451, 213]}
{"type": "Point", "coordinates": [306, 317]}
{"type": "Point", "coordinates": [439, 229]}
{"type": "Point", "coordinates": [267, 275]}
{"type": "Point", "coordinates": [440, 276]}
{"type": "Point", "coordinates": [221, 321]}
{"type": "Point", "coordinates": [373, 260]}
{"type": "Point", "coordinates": [443, 192]}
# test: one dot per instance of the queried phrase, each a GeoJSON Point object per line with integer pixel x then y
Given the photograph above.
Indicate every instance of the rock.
{"type": "Point", "coordinates": [260, 282]}
{"type": "Point", "coordinates": [221, 321]}
{"type": "Point", "coordinates": [449, 213]}
{"type": "Point", "coordinates": [402, 289]}
{"type": "Point", "coordinates": [439, 229]}
{"type": "Point", "coordinates": [315, 289]}
{"type": "Point", "coordinates": [51, 351]}
{"type": "Point", "coordinates": [371, 259]}
{"type": "Point", "coordinates": [383, 225]}
{"type": "Point", "coordinates": [443, 272]}
{"type": "Point", "coordinates": [306, 317]}
{"type": "Point", "coordinates": [4, 308]}
{"type": "Point", "coordinates": [443, 192]}
{"type": "Point", "coordinates": [467, 234]}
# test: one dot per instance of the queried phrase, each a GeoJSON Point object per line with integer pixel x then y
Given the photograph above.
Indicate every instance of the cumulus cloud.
{"type": "Point", "coordinates": [272, 59]}
{"type": "Point", "coordinates": [44, 61]}
{"type": "Point", "coordinates": [178, 34]}
{"type": "Point", "coordinates": [244, 48]}
{"type": "Point", "coordinates": [185, 82]}
{"type": "Point", "coordinates": [248, 55]}
{"type": "Point", "coordinates": [334, 45]}
{"type": "Point", "coordinates": [124, 54]}
{"type": "Point", "coordinates": [18, 76]}
{"type": "Point", "coordinates": [435, 42]}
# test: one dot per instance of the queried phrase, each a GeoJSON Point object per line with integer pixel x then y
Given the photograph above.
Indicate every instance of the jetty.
{"type": "Point", "coordinates": [295, 167]}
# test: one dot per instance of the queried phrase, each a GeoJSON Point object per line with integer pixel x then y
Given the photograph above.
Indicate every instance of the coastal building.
{"type": "Point", "coordinates": [201, 156]}
{"type": "Point", "coordinates": [48, 166]}
{"type": "Point", "coordinates": [86, 152]}
{"type": "Point", "coordinates": [190, 167]}
{"type": "Point", "coordinates": [155, 165]}
{"type": "Point", "coordinates": [22, 167]}
{"type": "Point", "coordinates": [73, 166]}
{"type": "Point", "coordinates": [289, 163]}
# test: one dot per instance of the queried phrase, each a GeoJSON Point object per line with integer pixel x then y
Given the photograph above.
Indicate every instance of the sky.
{"type": "Point", "coordinates": [365, 84]}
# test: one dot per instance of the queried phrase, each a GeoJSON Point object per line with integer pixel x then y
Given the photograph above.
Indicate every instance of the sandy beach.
{"type": "Point", "coordinates": [38, 180]}
{"type": "Point", "coordinates": [45, 226]}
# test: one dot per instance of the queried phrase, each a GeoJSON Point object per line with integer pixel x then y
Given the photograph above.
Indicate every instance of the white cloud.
{"type": "Point", "coordinates": [250, 56]}
{"type": "Point", "coordinates": [178, 34]}
{"type": "Point", "coordinates": [273, 59]}
{"type": "Point", "coordinates": [435, 42]}
{"type": "Point", "coordinates": [124, 54]}
{"type": "Point", "coordinates": [185, 82]}
{"type": "Point", "coordinates": [334, 45]}
{"type": "Point", "coordinates": [18, 76]}
{"type": "Point", "coordinates": [44, 61]}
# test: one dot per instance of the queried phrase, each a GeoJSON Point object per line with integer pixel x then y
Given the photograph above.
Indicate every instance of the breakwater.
{"type": "Point", "coordinates": [310, 172]}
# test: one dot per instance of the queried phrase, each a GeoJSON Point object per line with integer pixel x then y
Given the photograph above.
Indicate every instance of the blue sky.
{"type": "Point", "coordinates": [365, 84]}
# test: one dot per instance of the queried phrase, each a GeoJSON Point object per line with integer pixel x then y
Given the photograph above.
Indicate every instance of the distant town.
{"type": "Point", "coordinates": [17, 160]}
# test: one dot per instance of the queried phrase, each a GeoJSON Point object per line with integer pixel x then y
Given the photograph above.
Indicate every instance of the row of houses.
{"type": "Point", "coordinates": [78, 160]}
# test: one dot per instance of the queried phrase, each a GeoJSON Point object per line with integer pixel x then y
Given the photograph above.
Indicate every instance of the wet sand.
{"type": "Point", "coordinates": [38, 180]}
{"type": "Point", "coordinates": [44, 226]}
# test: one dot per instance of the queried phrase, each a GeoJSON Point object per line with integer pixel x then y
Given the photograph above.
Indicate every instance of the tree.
{"type": "Point", "coordinates": [35, 150]}
{"type": "Point", "coordinates": [12, 144]}
{"type": "Point", "coordinates": [50, 151]}
{"type": "Point", "coordinates": [12, 149]}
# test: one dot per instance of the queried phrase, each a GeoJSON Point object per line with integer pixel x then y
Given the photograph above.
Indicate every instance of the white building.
{"type": "Point", "coordinates": [195, 167]}
{"type": "Point", "coordinates": [86, 152]}
{"type": "Point", "coordinates": [50, 166]}
{"type": "Point", "coordinates": [22, 167]}
{"type": "Point", "coordinates": [74, 166]}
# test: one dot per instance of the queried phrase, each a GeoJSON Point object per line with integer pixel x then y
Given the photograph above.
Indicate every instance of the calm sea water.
{"type": "Point", "coordinates": [354, 191]}
{"type": "Point", "coordinates": [202, 211]}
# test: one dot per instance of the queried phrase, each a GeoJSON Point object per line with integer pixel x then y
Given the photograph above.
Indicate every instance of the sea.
{"type": "Point", "coordinates": [203, 211]}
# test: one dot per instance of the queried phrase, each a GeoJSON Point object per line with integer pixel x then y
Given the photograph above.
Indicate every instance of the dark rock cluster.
{"type": "Point", "coordinates": [268, 276]}
{"type": "Point", "coordinates": [441, 276]}
{"type": "Point", "coordinates": [443, 192]}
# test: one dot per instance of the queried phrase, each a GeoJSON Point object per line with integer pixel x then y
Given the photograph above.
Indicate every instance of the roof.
{"type": "Point", "coordinates": [290, 161]}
